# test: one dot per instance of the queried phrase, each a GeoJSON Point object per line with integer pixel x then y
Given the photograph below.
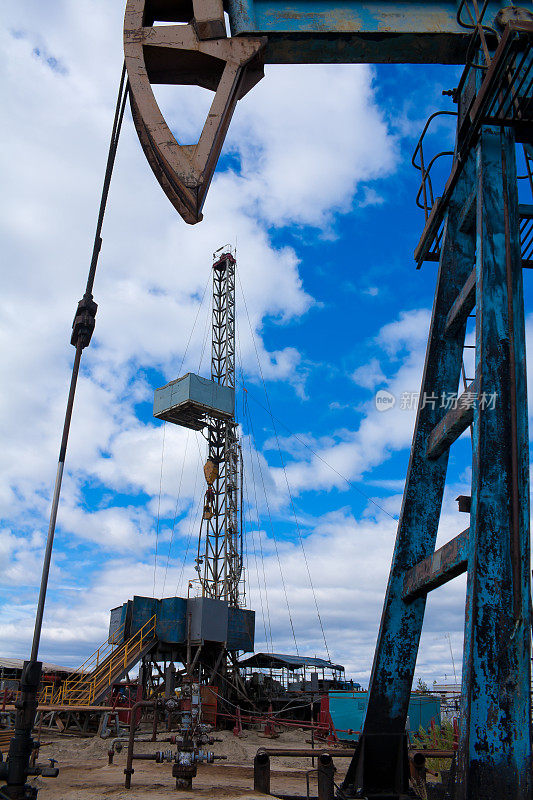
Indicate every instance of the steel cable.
{"type": "Point", "coordinates": [285, 473]}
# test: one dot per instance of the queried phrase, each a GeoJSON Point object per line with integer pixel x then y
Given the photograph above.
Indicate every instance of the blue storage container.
{"type": "Point", "coordinates": [171, 621]}
{"type": "Point", "coordinates": [210, 620]}
{"type": "Point", "coordinates": [348, 711]}
{"type": "Point", "coordinates": [143, 609]}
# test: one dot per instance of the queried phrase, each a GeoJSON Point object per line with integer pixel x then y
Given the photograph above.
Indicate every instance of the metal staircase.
{"type": "Point", "coordinates": [103, 668]}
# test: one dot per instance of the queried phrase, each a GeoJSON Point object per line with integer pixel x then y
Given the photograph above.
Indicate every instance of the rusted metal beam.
{"type": "Point", "coordinates": [446, 563]}
{"type": "Point", "coordinates": [431, 228]}
{"type": "Point", "coordinates": [380, 762]}
{"type": "Point", "coordinates": [307, 752]}
{"type": "Point", "coordinates": [466, 300]}
{"type": "Point", "coordinates": [432, 753]}
{"type": "Point", "coordinates": [452, 425]}
{"type": "Point", "coordinates": [494, 756]}
{"type": "Point", "coordinates": [342, 31]}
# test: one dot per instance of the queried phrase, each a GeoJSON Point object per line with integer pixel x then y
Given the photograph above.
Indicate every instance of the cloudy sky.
{"type": "Point", "coordinates": [316, 191]}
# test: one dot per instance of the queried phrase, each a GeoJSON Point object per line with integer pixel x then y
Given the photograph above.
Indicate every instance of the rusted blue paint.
{"type": "Point", "coordinates": [495, 741]}
{"type": "Point", "coordinates": [452, 424]}
{"type": "Point", "coordinates": [241, 629]}
{"type": "Point", "coordinates": [143, 609]}
{"type": "Point", "coordinates": [401, 622]}
{"type": "Point", "coordinates": [465, 302]}
{"type": "Point", "coordinates": [171, 620]}
{"type": "Point", "coordinates": [494, 757]}
{"type": "Point", "coordinates": [345, 31]}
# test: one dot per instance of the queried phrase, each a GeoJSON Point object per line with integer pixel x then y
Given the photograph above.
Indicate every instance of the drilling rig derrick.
{"type": "Point", "coordinates": [219, 558]}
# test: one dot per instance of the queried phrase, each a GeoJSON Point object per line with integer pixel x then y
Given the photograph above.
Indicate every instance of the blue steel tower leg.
{"type": "Point", "coordinates": [379, 763]}
{"type": "Point", "coordinates": [480, 265]}
{"type": "Point", "coordinates": [494, 757]}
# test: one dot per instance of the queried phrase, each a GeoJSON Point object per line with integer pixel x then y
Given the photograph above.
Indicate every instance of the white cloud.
{"type": "Point", "coordinates": [350, 454]}
{"type": "Point", "coordinates": [409, 331]}
{"type": "Point", "coordinates": [291, 158]}
{"type": "Point", "coordinates": [305, 158]}
{"type": "Point", "coordinates": [369, 375]}
{"type": "Point", "coordinates": [153, 269]}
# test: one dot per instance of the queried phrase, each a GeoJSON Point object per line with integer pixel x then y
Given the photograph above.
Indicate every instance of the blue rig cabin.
{"type": "Point", "coordinates": [201, 621]}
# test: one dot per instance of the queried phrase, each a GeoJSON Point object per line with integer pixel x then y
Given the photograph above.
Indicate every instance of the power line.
{"type": "Point", "coordinates": [192, 525]}
{"type": "Point", "coordinates": [258, 534]}
{"type": "Point", "coordinates": [317, 455]}
{"type": "Point", "coordinates": [285, 474]}
{"type": "Point", "coordinates": [255, 534]}
{"type": "Point", "coordinates": [246, 415]}
{"type": "Point", "coordinates": [176, 510]}
{"type": "Point", "coordinates": [259, 587]}
{"type": "Point", "coordinates": [159, 504]}
{"type": "Point", "coordinates": [163, 451]}
{"type": "Point", "coordinates": [274, 538]}
{"type": "Point", "coordinates": [200, 305]}
{"type": "Point", "coordinates": [298, 439]}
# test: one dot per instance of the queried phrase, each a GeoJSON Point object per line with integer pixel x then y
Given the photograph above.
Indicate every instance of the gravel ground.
{"type": "Point", "coordinates": [85, 773]}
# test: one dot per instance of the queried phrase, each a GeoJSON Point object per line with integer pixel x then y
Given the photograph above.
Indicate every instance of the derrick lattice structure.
{"type": "Point", "coordinates": [219, 560]}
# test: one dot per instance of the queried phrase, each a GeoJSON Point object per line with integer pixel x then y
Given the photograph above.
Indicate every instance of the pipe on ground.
{"type": "Point", "coordinates": [326, 773]}
{"type": "Point", "coordinates": [128, 771]}
{"type": "Point", "coordinates": [304, 752]}
{"type": "Point", "coordinates": [262, 772]}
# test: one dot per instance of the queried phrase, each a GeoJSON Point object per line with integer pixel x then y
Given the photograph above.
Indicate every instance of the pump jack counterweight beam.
{"type": "Point", "coordinates": [198, 51]}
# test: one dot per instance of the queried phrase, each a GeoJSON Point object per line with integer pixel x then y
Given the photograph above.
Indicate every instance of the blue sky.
{"type": "Point", "coordinates": [316, 190]}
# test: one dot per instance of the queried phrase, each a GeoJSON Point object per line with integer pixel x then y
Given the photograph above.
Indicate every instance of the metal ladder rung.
{"type": "Point", "coordinates": [453, 424]}
{"type": "Point", "coordinates": [462, 307]}
{"type": "Point", "coordinates": [446, 563]}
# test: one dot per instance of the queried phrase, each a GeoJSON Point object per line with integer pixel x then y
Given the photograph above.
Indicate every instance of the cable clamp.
{"type": "Point", "coordinates": [84, 321]}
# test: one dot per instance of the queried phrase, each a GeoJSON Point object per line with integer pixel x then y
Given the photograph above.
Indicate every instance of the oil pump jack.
{"type": "Point", "coordinates": [480, 234]}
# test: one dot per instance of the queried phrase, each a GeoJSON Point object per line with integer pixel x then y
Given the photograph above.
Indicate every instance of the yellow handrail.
{"type": "Point", "coordinates": [83, 689]}
{"type": "Point", "coordinates": [92, 663]}
{"type": "Point", "coordinates": [115, 639]}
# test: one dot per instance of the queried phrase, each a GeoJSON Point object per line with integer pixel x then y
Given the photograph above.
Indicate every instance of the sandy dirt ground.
{"type": "Point", "coordinates": [85, 772]}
